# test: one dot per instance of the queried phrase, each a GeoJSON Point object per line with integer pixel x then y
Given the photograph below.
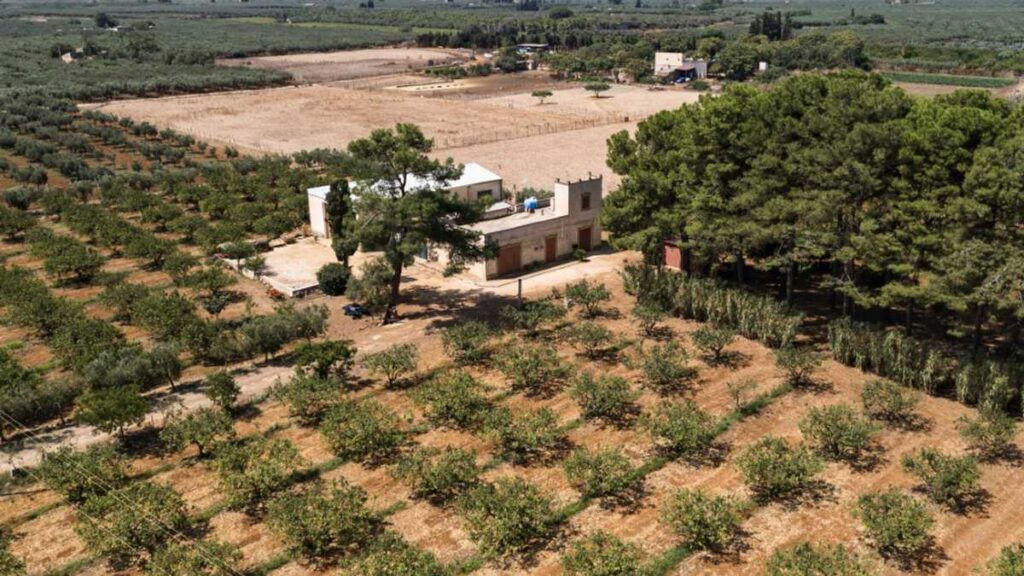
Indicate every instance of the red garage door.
{"type": "Point", "coordinates": [585, 241]}
{"type": "Point", "coordinates": [510, 259]}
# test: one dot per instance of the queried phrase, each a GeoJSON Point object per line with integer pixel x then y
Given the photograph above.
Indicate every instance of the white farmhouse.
{"type": "Point", "coordinates": [476, 183]}
{"type": "Point", "coordinates": [526, 235]}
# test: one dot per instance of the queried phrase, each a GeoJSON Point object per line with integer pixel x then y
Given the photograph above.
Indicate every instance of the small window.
{"type": "Point", "coordinates": [585, 201]}
{"type": "Point", "coordinates": [485, 194]}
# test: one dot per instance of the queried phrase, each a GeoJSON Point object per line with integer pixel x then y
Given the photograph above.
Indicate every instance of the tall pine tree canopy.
{"type": "Point", "coordinates": [911, 204]}
{"type": "Point", "coordinates": [401, 204]}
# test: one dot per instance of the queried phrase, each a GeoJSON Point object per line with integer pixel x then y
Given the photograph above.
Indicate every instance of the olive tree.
{"type": "Point", "coordinates": [524, 434]}
{"type": "Point", "coordinates": [394, 363]}
{"type": "Point", "coordinates": [200, 558]}
{"type": "Point", "coordinates": [898, 525]}
{"type": "Point", "coordinates": [454, 399]}
{"type": "Point", "coordinates": [128, 522]}
{"type": "Point", "coordinates": [806, 559]}
{"type": "Point", "coordinates": [601, 554]}
{"type": "Point", "coordinates": [1009, 562]}
{"type": "Point", "coordinates": [221, 388]}
{"type": "Point", "coordinates": [323, 522]}
{"type": "Point", "coordinates": [990, 434]}
{"type": "Point", "coordinates": [773, 469]}
{"type": "Point", "coordinates": [78, 476]}
{"type": "Point", "coordinates": [204, 428]}
{"type": "Point", "coordinates": [122, 366]}
{"type": "Point", "coordinates": [680, 427]}
{"type": "Point", "coordinates": [888, 401]}
{"type": "Point", "coordinates": [606, 397]}
{"type": "Point", "coordinates": [252, 470]}
{"type": "Point", "coordinates": [948, 480]}
{"type": "Point", "coordinates": [703, 521]}
{"type": "Point", "coordinates": [439, 476]}
{"type": "Point", "coordinates": [363, 430]}
{"type": "Point", "coordinates": [507, 517]}
{"type": "Point", "coordinates": [598, 473]}
{"type": "Point", "coordinates": [533, 368]}
{"type": "Point", "coordinates": [837, 432]}
{"type": "Point", "coordinates": [466, 342]}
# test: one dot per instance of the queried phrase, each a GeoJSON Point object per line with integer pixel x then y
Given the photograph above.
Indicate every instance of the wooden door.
{"type": "Point", "coordinates": [510, 259]}
{"type": "Point", "coordinates": [550, 248]}
{"type": "Point", "coordinates": [584, 242]}
{"type": "Point", "coordinates": [673, 256]}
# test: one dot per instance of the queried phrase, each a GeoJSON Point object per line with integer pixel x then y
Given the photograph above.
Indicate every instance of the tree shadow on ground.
{"type": "Point", "coordinates": [813, 386]}
{"type": "Point", "coordinates": [629, 500]}
{"type": "Point", "coordinates": [812, 493]}
{"type": "Point", "coordinates": [660, 333]}
{"type": "Point", "coordinates": [144, 441]}
{"type": "Point", "coordinates": [868, 460]}
{"type": "Point", "coordinates": [729, 359]}
{"type": "Point", "coordinates": [625, 419]}
{"type": "Point", "coordinates": [927, 560]}
{"type": "Point", "coordinates": [712, 456]}
{"type": "Point", "coordinates": [973, 503]}
{"type": "Point", "coordinates": [1010, 455]}
{"type": "Point", "coordinates": [732, 552]}
{"type": "Point", "coordinates": [910, 423]}
{"type": "Point", "coordinates": [451, 306]}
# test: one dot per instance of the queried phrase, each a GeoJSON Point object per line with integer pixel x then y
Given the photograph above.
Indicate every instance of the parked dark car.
{"type": "Point", "coordinates": [355, 311]}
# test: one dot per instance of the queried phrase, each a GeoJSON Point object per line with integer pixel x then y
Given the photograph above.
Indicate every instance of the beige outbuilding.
{"type": "Point", "coordinates": [525, 236]}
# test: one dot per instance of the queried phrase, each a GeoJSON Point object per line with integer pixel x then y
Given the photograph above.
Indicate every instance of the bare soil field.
{"type": "Point", "coordinates": [927, 90]}
{"type": "Point", "coordinates": [349, 64]}
{"type": "Point", "coordinates": [527, 143]}
{"type": "Point", "coordinates": [537, 161]}
{"type": "Point", "coordinates": [470, 88]}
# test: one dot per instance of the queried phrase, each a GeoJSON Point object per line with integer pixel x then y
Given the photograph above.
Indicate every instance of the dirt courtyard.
{"type": "Point", "coordinates": [506, 129]}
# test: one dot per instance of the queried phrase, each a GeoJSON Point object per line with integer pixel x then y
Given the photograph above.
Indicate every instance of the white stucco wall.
{"type": "Point", "coordinates": [567, 203]}
{"type": "Point", "coordinates": [470, 192]}
{"type": "Point", "coordinates": [666, 61]}
{"type": "Point", "coordinates": [317, 217]}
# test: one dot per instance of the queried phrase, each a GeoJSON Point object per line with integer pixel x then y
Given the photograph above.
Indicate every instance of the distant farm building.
{"type": "Point", "coordinates": [531, 48]}
{"type": "Point", "coordinates": [526, 235]}
{"type": "Point", "coordinates": [675, 67]}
